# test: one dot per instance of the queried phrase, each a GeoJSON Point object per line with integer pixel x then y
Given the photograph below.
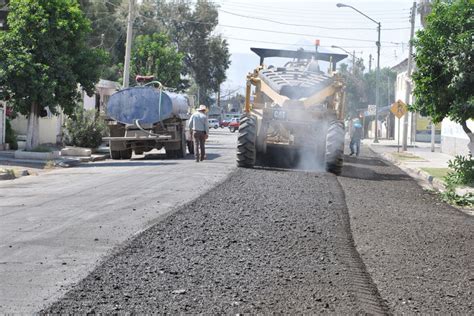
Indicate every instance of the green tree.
{"type": "Point", "coordinates": [444, 76]}
{"type": "Point", "coordinates": [154, 55]}
{"type": "Point", "coordinates": [190, 27]}
{"type": "Point", "coordinates": [44, 57]}
{"type": "Point", "coordinates": [108, 29]}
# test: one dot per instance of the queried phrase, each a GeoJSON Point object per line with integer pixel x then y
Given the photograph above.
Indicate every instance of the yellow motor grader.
{"type": "Point", "coordinates": [297, 108]}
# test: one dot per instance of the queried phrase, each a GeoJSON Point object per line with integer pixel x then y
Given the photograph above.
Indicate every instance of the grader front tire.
{"type": "Point", "coordinates": [335, 147]}
{"type": "Point", "coordinates": [246, 147]}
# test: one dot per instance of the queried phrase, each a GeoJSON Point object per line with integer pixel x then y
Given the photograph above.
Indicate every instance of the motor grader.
{"type": "Point", "coordinates": [297, 109]}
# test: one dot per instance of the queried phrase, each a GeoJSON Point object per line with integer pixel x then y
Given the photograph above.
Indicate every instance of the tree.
{"type": "Point", "coordinates": [44, 57]}
{"type": "Point", "coordinates": [444, 60]}
{"type": "Point", "coordinates": [108, 24]}
{"type": "Point", "coordinates": [206, 56]}
{"type": "Point", "coordinates": [154, 55]}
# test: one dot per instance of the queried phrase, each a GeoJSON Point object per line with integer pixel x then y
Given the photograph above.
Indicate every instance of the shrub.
{"type": "Point", "coordinates": [462, 171]}
{"type": "Point", "coordinates": [83, 129]}
{"type": "Point", "coordinates": [10, 135]}
{"type": "Point", "coordinates": [462, 174]}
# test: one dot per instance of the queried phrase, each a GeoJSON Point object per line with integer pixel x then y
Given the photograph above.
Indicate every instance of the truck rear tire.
{"type": "Point", "coordinates": [335, 147]}
{"type": "Point", "coordinates": [115, 154]}
{"type": "Point", "coordinates": [246, 149]}
{"type": "Point", "coordinates": [126, 154]}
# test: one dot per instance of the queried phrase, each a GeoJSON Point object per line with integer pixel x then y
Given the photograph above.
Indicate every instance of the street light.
{"type": "Point", "coordinates": [350, 54]}
{"type": "Point", "coordinates": [377, 74]}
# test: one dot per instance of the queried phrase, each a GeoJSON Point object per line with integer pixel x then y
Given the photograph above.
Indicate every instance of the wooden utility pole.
{"type": "Point", "coordinates": [128, 45]}
{"type": "Point", "coordinates": [408, 77]}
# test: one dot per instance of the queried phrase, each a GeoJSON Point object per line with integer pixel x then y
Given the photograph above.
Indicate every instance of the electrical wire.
{"type": "Point", "coordinates": [305, 25]}
{"type": "Point", "coordinates": [274, 31]}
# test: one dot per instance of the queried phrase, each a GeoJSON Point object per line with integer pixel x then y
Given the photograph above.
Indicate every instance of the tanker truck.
{"type": "Point", "coordinates": [295, 112]}
{"type": "Point", "coordinates": [143, 118]}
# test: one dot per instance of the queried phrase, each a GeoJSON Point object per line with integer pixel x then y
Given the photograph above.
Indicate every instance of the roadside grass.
{"type": "Point", "coordinates": [407, 157]}
{"type": "Point", "coordinates": [438, 173]}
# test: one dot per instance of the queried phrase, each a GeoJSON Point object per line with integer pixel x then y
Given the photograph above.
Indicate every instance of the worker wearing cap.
{"type": "Point", "coordinates": [199, 127]}
{"type": "Point", "coordinates": [356, 136]}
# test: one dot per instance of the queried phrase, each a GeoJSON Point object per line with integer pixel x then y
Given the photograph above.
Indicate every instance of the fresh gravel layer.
{"type": "Point", "coordinates": [418, 250]}
{"type": "Point", "coordinates": [264, 241]}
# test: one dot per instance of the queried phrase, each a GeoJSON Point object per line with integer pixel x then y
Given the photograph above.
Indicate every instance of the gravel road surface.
{"type": "Point", "coordinates": [418, 250]}
{"type": "Point", "coordinates": [264, 241]}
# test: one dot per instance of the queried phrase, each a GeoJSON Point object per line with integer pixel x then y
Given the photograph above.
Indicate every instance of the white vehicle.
{"type": "Point", "coordinates": [213, 123]}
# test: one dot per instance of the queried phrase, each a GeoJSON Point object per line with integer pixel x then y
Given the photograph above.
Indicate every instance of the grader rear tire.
{"type": "Point", "coordinates": [246, 149]}
{"type": "Point", "coordinates": [335, 147]}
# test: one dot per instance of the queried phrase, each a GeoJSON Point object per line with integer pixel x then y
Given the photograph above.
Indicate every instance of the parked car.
{"type": "Point", "coordinates": [224, 123]}
{"type": "Point", "coordinates": [213, 123]}
{"type": "Point", "coordinates": [234, 125]}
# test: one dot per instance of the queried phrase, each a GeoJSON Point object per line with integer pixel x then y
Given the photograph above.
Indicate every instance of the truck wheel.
{"type": "Point", "coordinates": [181, 153]}
{"type": "Point", "coordinates": [126, 154]}
{"type": "Point", "coordinates": [115, 154]}
{"type": "Point", "coordinates": [335, 147]}
{"type": "Point", "coordinates": [246, 150]}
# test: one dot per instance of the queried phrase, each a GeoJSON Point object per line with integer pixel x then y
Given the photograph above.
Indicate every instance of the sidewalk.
{"type": "Point", "coordinates": [12, 168]}
{"type": "Point", "coordinates": [418, 161]}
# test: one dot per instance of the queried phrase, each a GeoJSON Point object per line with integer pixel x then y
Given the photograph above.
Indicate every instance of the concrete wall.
{"type": "Point", "coordinates": [48, 127]}
{"type": "Point", "coordinates": [453, 138]}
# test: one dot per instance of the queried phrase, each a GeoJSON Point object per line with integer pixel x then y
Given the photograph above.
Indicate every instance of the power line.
{"type": "Point", "coordinates": [320, 14]}
{"type": "Point", "coordinates": [309, 10]}
{"type": "Point", "coordinates": [272, 31]}
{"type": "Point", "coordinates": [293, 44]}
{"type": "Point", "coordinates": [304, 25]}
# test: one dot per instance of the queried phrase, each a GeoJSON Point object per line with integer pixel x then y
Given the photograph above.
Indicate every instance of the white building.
{"type": "Point", "coordinates": [51, 126]}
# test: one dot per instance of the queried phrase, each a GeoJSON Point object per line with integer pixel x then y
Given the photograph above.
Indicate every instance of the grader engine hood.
{"type": "Point", "coordinates": [300, 82]}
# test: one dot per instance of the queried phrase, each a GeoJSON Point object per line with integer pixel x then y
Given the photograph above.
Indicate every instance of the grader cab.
{"type": "Point", "coordinates": [297, 108]}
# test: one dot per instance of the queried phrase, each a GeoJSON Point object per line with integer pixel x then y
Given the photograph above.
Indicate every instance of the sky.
{"type": "Point", "coordinates": [286, 24]}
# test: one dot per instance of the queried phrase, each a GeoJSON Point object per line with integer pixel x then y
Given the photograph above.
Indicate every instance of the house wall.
{"type": "Point", "coordinates": [48, 127]}
{"type": "Point", "coordinates": [419, 126]}
{"type": "Point", "coordinates": [400, 92]}
{"type": "Point", "coordinates": [454, 140]}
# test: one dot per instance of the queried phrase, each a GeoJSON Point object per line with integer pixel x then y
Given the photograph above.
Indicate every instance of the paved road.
{"type": "Point", "coordinates": [263, 242]}
{"type": "Point", "coordinates": [281, 242]}
{"type": "Point", "coordinates": [418, 250]}
{"type": "Point", "coordinates": [55, 227]}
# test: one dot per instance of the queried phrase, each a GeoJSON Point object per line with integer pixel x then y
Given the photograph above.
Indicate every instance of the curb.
{"type": "Point", "coordinates": [418, 174]}
{"type": "Point", "coordinates": [422, 177]}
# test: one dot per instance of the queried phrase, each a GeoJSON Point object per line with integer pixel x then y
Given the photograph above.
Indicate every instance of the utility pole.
{"type": "Point", "coordinates": [353, 61]}
{"type": "Point", "coordinates": [370, 62]}
{"type": "Point", "coordinates": [408, 77]}
{"type": "Point", "coordinates": [128, 45]}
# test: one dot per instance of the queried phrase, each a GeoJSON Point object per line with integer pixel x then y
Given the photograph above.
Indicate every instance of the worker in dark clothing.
{"type": "Point", "coordinates": [356, 136]}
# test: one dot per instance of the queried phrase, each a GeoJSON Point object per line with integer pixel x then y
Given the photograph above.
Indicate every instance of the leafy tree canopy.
{"type": "Point", "coordinates": [154, 55]}
{"type": "Point", "coordinates": [45, 55]}
{"type": "Point", "coordinates": [444, 78]}
{"type": "Point", "coordinates": [190, 27]}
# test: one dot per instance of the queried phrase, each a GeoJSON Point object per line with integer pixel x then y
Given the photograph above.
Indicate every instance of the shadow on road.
{"type": "Point", "coordinates": [369, 161]}
{"type": "Point", "coordinates": [126, 163]}
{"type": "Point", "coordinates": [363, 173]}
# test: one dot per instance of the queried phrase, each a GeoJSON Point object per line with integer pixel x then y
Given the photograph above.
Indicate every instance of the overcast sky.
{"type": "Point", "coordinates": [318, 19]}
